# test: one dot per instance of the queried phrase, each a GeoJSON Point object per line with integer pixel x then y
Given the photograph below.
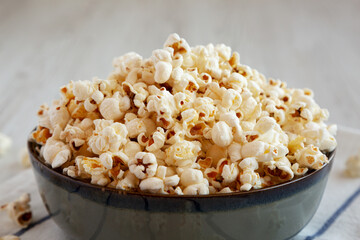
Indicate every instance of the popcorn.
{"type": "Point", "coordinates": [58, 115]}
{"type": "Point", "coordinates": [114, 108]}
{"type": "Point", "coordinates": [56, 152]}
{"type": "Point", "coordinates": [311, 157]}
{"type": "Point", "coordinates": [43, 115]}
{"type": "Point", "coordinates": [205, 163]}
{"type": "Point", "coordinates": [249, 179]}
{"type": "Point", "coordinates": [229, 172]}
{"type": "Point", "coordinates": [191, 176]}
{"type": "Point", "coordinates": [172, 180]}
{"type": "Point", "coordinates": [144, 165]}
{"type": "Point", "coordinates": [92, 166]}
{"type": "Point", "coordinates": [162, 71]}
{"type": "Point", "coordinates": [205, 107]}
{"type": "Point", "coordinates": [82, 90]}
{"type": "Point", "coordinates": [187, 120]}
{"type": "Point", "coordinates": [319, 135]}
{"type": "Point", "coordinates": [107, 136]}
{"type": "Point", "coordinates": [221, 134]}
{"type": "Point", "coordinates": [19, 210]}
{"type": "Point", "coordinates": [25, 158]}
{"type": "Point", "coordinates": [129, 182]}
{"type": "Point", "coordinates": [156, 141]}
{"type": "Point", "coordinates": [135, 127]}
{"type": "Point", "coordinates": [231, 99]}
{"type": "Point", "coordinates": [253, 149]}
{"type": "Point", "coordinates": [298, 171]}
{"type": "Point", "coordinates": [197, 189]}
{"type": "Point", "coordinates": [234, 151]}
{"type": "Point", "coordinates": [76, 110]}
{"type": "Point", "coordinates": [5, 143]}
{"type": "Point", "coordinates": [249, 163]}
{"type": "Point", "coordinates": [100, 179]}
{"type": "Point", "coordinates": [152, 185]}
{"type": "Point", "coordinates": [353, 166]}
{"type": "Point", "coordinates": [162, 102]}
{"type": "Point", "coordinates": [161, 55]}
{"type": "Point", "coordinates": [280, 168]}
{"type": "Point", "coordinates": [131, 149]}
{"type": "Point", "coordinates": [124, 63]}
{"type": "Point", "coordinates": [216, 153]}
{"type": "Point", "coordinates": [178, 44]}
{"type": "Point", "coordinates": [182, 154]}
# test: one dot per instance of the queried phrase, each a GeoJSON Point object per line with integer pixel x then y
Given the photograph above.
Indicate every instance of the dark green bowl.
{"type": "Point", "coordinates": [86, 211]}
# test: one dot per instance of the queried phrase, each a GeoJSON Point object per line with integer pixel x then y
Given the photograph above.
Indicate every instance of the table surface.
{"type": "Point", "coordinates": [45, 44]}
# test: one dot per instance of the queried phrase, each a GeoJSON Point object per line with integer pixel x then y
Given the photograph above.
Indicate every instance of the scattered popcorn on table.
{"type": "Point", "coordinates": [353, 166]}
{"type": "Point", "coordinates": [19, 210]}
{"type": "Point", "coordinates": [25, 158]}
{"type": "Point", "coordinates": [184, 121]}
{"type": "Point", "coordinates": [5, 143]}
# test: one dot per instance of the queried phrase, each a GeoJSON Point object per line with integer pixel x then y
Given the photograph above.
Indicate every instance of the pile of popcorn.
{"type": "Point", "coordinates": [187, 120]}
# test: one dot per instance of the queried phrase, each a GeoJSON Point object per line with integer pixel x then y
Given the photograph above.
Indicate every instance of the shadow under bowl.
{"type": "Point", "coordinates": [86, 211]}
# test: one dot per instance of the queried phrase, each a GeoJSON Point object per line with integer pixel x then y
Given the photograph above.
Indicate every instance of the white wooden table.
{"type": "Point", "coordinates": [45, 44]}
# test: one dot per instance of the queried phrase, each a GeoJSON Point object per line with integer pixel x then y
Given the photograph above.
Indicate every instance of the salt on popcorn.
{"type": "Point", "coordinates": [187, 120]}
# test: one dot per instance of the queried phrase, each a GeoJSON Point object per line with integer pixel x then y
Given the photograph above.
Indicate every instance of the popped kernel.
{"type": "Point", "coordinates": [5, 143]}
{"type": "Point", "coordinates": [152, 185]}
{"type": "Point", "coordinates": [353, 166]}
{"type": "Point", "coordinates": [143, 165]}
{"type": "Point", "coordinates": [311, 157]}
{"type": "Point", "coordinates": [56, 152]}
{"type": "Point", "coordinates": [221, 134]}
{"type": "Point", "coordinates": [187, 120]}
{"type": "Point", "coordinates": [19, 210]}
{"type": "Point", "coordinates": [25, 158]}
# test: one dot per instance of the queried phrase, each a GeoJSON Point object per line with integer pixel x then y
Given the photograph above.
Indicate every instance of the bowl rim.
{"type": "Point", "coordinates": [35, 155]}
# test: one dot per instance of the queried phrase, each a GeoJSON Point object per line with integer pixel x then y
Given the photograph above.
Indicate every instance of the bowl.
{"type": "Point", "coordinates": [86, 211]}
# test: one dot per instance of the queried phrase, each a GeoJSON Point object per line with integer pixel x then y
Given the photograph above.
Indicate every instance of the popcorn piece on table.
{"type": "Point", "coordinates": [353, 166]}
{"type": "Point", "coordinates": [19, 210]}
{"type": "Point", "coordinates": [25, 158]}
{"type": "Point", "coordinates": [5, 143]}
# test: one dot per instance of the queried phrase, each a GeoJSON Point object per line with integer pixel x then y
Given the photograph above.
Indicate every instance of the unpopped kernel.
{"type": "Point", "coordinates": [187, 120]}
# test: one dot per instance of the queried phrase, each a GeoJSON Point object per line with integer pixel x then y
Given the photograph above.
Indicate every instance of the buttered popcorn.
{"type": "Point", "coordinates": [187, 120]}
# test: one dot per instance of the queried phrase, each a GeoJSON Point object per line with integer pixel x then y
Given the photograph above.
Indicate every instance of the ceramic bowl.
{"type": "Point", "coordinates": [86, 211]}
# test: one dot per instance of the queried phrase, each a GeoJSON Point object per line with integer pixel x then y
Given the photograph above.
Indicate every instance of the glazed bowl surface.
{"type": "Point", "coordinates": [86, 211]}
